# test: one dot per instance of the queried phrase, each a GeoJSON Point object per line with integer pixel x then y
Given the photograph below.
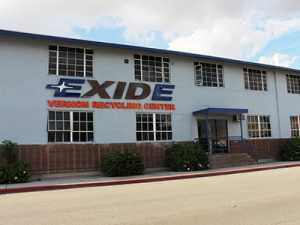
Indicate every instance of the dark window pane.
{"type": "Point", "coordinates": [76, 116]}
{"type": "Point", "coordinates": [51, 115]}
{"type": "Point", "coordinates": [83, 137]}
{"type": "Point", "coordinates": [151, 136]}
{"type": "Point", "coordinates": [138, 136]}
{"type": "Point", "coordinates": [90, 126]}
{"type": "Point", "coordinates": [90, 116]}
{"type": "Point", "coordinates": [138, 126]}
{"type": "Point", "coordinates": [145, 136]}
{"type": "Point", "coordinates": [66, 116]}
{"type": "Point", "coordinates": [75, 136]}
{"type": "Point", "coordinates": [51, 125]}
{"type": "Point", "coordinates": [82, 116]}
{"type": "Point", "coordinates": [90, 137]}
{"type": "Point", "coordinates": [59, 125]}
{"type": "Point", "coordinates": [82, 126]}
{"type": "Point", "coordinates": [66, 125]}
{"type": "Point", "coordinates": [67, 137]}
{"type": "Point", "coordinates": [59, 116]}
{"type": "Point", "coordinates": [169, 136]}
{"type": "Point", "coordinates": [59, 136]}
{"type": "Point", "coordinates": [75, 126]}
{"type": "Point", "coordinates": [89, 51]}
{"type": "Point", "coordinates": [53, 47]}
{"type": "Point", "coordinates": [51, 137]}
{"type": "Point", "coordinates": [163, 136]}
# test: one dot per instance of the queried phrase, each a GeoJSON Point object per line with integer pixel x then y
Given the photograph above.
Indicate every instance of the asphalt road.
{"type": "Point", "coordinates": [258, 198]}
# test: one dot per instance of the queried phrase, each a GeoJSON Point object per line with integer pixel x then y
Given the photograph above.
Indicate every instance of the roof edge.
{"type": "Point", "coordinates": [140, 48]}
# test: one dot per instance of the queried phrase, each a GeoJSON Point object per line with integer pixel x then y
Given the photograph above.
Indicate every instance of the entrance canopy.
{"type": "Point", "coordinates": [230, 111]}
{"type": "Point", "coordinates": [210, 140]}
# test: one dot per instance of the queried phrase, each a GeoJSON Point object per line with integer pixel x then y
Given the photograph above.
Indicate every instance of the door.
{"type": "Point", "coordinates": [216, 136]}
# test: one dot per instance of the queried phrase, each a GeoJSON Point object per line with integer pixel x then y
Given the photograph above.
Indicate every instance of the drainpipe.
{"type": "Point", "coordinates": [277, 103]}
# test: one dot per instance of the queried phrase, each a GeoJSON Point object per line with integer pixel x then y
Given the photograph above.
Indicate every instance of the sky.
{"type": "Point", "coordinates": [264, 31]}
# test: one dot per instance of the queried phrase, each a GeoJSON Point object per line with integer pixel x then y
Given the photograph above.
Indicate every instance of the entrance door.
{"type": "Point", "coordinates": [217, 136]}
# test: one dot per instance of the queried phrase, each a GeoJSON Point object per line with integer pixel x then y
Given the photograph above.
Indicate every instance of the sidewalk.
{"type": "Point", "coordinates": [92, 180]}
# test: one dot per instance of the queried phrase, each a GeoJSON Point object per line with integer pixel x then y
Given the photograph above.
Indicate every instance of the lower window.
{"type": "Point", "coordinates": [153, 127]}
{"type": "Point", "coordinates": [295, 122]}
{"type": "Point", "coordinates": [259, 126]}
{"type": "Point", "coordinates": [69, 126]}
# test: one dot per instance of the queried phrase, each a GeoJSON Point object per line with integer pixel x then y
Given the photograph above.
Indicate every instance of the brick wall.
{"type": "Point", "coordinates": [64, 158]}
{"type": "Point", "coordinates": [260, 149]}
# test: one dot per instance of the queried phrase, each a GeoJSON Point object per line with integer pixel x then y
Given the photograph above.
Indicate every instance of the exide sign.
{"type": "Point", "coordinates": [135, 91]}
{"type": "Point", "coordinates": [71, 88]}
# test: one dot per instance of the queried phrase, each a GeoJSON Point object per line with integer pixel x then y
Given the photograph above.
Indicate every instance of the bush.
{"type": "Point", "coordinates": [290, 151]}
{"type": "Point", "coordinates": [13, 171]}
{"type": "Point", "coordinates": [8, 150]}
{"type": "Point", "coordinates": [186, 157]}
{"type": "Point", "coordinates": [122, 163]}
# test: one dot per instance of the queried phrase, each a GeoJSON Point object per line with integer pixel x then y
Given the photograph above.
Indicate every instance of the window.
{"type": "Point", "coordinates": [151, 68]}
{"type": "Point", "coordinates": [153, 127]}
{"type": "Point", "coordinates": [65, 61]}
{"type": "Point", "coordinates": [66, 126]}
{"type": "Point", "coordinates": [208, 75]}
{"type": "Point", "coordinates": [295, 126]}
{"type": "Point", "coordinates": [259, 126]}
{"type": "Point", "coordinates": [255, 79]}
{"type": "Point", "coordinates": [293, 84]}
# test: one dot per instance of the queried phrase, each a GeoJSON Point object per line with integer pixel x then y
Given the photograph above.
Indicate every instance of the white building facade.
{"type": "Point", "coordinates": [67, 101]}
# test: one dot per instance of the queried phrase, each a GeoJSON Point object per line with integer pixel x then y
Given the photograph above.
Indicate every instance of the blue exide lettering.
{"type": "Point", "coordinates": [64, 86]}
{"type": "Point", "coordinates": [161, 91]}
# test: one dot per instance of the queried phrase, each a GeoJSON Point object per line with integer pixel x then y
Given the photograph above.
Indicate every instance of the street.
{"type": "Point", "coordinates": [257, 198]}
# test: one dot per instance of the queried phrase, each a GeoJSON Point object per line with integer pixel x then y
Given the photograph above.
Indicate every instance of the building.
{"type": "Point", "coordinates": [67, 101]}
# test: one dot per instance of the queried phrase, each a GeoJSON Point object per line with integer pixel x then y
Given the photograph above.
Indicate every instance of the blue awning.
{"type": "Point", "coordinates": [231, 111]}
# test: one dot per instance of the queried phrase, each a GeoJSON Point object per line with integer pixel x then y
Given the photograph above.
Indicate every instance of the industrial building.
{"type": "Point", "coordinates": [66, 102]}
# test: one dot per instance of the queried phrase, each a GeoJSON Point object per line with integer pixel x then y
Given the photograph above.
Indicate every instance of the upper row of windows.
{"type": "Point", "coordinates": [78, 62]}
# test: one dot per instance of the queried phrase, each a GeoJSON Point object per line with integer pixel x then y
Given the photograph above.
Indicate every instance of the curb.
{"type": "Point", "coordinates": [139, 180]}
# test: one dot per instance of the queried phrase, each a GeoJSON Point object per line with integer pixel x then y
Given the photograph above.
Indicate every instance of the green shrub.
{"type": "Point", "coordinates": [16, 172]}
{"type": "Point", "coordinates": [13, 171]}
{"type": "Point", "coordinates": [186, 157]}
{"type": "Point", "coordinates": [122, 163]}
{"type": "Point", "coordinates": [8, 150]}
{"type": "Point", "coordinates": [290, 151]}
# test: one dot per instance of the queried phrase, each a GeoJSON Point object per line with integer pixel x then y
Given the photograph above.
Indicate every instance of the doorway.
{"type": "Point", "coordinates": [214, 138]}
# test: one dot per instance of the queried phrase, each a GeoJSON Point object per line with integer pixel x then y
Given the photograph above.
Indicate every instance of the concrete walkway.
{"type": "Point", "coordinates": [89, 180]}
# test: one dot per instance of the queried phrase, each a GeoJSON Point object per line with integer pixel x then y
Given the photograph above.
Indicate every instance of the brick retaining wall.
{"type": "Point", "coordinates": [69, 158]}
{"type": "Point", "coordinates": [260, 149]}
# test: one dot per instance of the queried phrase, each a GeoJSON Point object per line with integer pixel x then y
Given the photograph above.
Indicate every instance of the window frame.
{"type": "Point", "coordinates": [219, 77]}
{"type": "Point", "coordinates": [71, 116]}
{"type": "Point", "coordinates": [154, 130]}
{"type": "Point", "coordinates": [263, 79]}
{"type": "Point", "coordinates": [84, 61]}
{"type": "Point", "coordinates": [164, 77]}
{"type": "Point", "coordinates": [259, 124]}
{"type": "Point", "coordinates": [298, 124]}
{"type": "Point", "coordinates": [295, 87]}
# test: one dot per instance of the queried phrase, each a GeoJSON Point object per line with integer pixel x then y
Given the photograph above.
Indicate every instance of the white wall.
{"type": "Point", "coordinates": [24, 76]}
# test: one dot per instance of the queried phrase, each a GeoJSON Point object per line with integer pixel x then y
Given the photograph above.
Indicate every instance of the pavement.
{"type": "Point", "coordinates": [80, 180]}
{"type": "Point", "coordinates": [268, 197]}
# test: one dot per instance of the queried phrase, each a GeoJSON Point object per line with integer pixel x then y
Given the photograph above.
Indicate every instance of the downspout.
{"type": "Point", "coordinates": [277, 103]}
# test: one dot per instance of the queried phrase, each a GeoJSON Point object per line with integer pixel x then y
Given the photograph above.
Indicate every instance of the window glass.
{"type": "Point", "coordinates": [68, 126]}
{"type": "Point", "coordinates": [153, 127]}
{"type": "Point", "coordinates": [259, 126]}
{"type": "Point", "coordinates": [68, 61]}
{"type": "Point", "coordinates": [150, 68]}
{"type": "Point", "coordinates": [255, 79]}
{"type": "Point", "coordinates": [208, 75]}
